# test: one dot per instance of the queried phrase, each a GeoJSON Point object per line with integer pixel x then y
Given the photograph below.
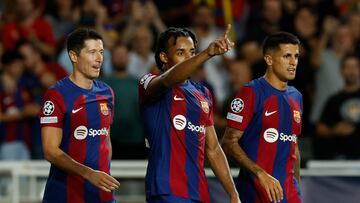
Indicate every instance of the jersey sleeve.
{"type": "Point", "coordinates": [143, 84]}
{"type": "Point", "coordinates": [241, 109]}
{"type": "Point", "coordinates": [53, 109]}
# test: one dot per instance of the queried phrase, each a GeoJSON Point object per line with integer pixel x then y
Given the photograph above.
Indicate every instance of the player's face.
{"type": "Point", "coordinates": [284, 61]}
{"type": "Point", "coordinates": [180, 51]}
{"type": "Point", "coordinates": [90, 59]}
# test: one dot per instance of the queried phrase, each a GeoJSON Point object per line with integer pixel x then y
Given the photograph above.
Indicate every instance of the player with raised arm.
{"type": "Point", "coordinates": [178, 118]}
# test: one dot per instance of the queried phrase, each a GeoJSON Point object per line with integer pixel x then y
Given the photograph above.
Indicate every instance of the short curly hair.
{"type": "Point", "coordinates": [163, 42]}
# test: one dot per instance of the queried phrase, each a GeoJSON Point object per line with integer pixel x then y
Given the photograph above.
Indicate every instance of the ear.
{"type": "Point", "coordinates": [163, 57]}
{"type": "Point", "coordinates": [73, 56]}
{"type": "Point", "coordinates": [268, 59]}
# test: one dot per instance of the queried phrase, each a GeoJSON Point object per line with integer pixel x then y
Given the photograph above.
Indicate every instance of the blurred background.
{"type": "Point", "coordinates": [33, 57]}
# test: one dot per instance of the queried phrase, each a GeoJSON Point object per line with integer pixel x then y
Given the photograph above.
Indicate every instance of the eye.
{"type": "Point", "coordinates": [180, 53]}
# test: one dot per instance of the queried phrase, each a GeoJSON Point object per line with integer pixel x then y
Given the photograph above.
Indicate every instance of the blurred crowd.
{"type": "Point", "coordinates": [33, 57]}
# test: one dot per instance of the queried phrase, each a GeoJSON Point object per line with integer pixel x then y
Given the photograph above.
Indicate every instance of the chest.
{"type": "Point", "coordinates": [90, 110]}
{"type": "Point", "coordinates": [281, 112]}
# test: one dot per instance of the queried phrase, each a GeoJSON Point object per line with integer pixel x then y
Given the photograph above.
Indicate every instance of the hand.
{"type": "Point", "coordinates": [221, 45]}
{"type": "Point", "coordinates": [271, 186]}
{"type": "Point", "coordinates": [102, 180]}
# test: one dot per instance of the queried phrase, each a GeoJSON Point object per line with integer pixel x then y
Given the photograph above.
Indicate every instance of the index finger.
{"type": "Point", "coordinates": [227, 31]}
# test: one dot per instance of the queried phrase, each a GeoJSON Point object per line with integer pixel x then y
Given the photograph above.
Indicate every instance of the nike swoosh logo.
{"type": "Point", "coordinates": [76, 110]}
{"type": "Point", "coordinates": [269, 113]}
{"type": "Point", "coordinates": [178, 98]}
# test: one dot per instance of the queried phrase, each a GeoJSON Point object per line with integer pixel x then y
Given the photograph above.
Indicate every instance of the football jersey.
{"type": "Point", "coordinates": [85, 116]}
{"type": "Point", "coordinates": [175, 128]}
{"type": "Point", "coordinates": [271, 122]}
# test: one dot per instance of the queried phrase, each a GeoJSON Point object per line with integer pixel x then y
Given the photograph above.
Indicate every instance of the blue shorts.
{"type": "Point", "coordinates": [170, 199]}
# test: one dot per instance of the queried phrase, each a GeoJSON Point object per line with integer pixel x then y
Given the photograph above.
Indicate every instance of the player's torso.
{"type": "Point", "coordinates": [86, 117]}
{"type": "Point", "coordinates": [271, 136]}
{"type": "Point", "coordinates": [270, 140]}
{"type": "Point", "coordinates": [176, 133]}
{"type": "Point", "coordinates": [87, 125]}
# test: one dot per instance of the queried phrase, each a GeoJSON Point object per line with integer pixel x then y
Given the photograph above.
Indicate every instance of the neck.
{"type": "Point", "coordinates": [81, 81]}
{"type": "Point", "coordinates": [275, 81]}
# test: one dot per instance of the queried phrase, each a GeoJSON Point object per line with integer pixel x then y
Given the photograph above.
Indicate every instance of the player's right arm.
{"type": "Point", "coordinates": [51, 139]}
{"type": "Point", "coordinates": [232, 148]}
{"type": "Point", "coordinates": [183, 70]}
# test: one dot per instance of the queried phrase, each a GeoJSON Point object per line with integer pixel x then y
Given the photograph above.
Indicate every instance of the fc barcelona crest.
{"type": "Point", "coordinates": [205, 106]}
{"type": "Point", "coordinates": [104, 109]}
{"type": "Point", "coordinates": [297, 116]}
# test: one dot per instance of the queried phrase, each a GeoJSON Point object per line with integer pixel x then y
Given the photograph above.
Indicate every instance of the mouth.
{"type": "Point", "coordinates": [96, 67]}
{"type": "Point", "coordinates": [291, 70]}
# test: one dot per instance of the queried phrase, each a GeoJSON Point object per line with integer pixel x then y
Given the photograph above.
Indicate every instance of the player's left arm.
{"type": "Point", "coordinates": [297, 163]}
{"type": "Point", "coordinates": [219, 164]}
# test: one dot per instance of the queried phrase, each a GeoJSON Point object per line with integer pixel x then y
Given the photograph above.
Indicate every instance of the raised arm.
{"type": "Point", "coordinates": [183, 70]}
{"type": "Point", "coordinates": [51, 139]}
{"type": "Point", "coordinates": [219, 164]}
{"type": "Point", "coordinates": [232, 148]}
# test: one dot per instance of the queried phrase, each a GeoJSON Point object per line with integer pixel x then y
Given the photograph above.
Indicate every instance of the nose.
{"type": "Point", "coordinates": [99, 57]}
{"type": "Point", "coordinates": [293, 61]}
{"type": "Point", "coordinates": [188, 55]}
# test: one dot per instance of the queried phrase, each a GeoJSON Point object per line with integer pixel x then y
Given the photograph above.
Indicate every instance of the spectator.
{"type": "Point", "coordinates": [203, 24]}
{"type": "Point", "coordinates": [47, 73]}
{"type": "Point", "coordinates": [16, 107]}
{"type": "Point", "coordinates": [338, 130]}
{"type": "Point", "coordinates": [61, 15]}
{"type": "Point", "coordinates": [326, 61]}
{"type": "Point", "coordinates": [28, 24]}
{"type": "Point", "coordinates": [141, 58]}
{"type": "Point", "coordinates": [127, 133]}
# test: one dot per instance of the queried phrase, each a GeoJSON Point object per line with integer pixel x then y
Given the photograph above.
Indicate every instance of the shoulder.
{"type": "Point", "coordinates": [293, 91]}
{"type": "Point", "coordinates": [145, 79]}
{"type": "Point", "coordinates": [101, 85]}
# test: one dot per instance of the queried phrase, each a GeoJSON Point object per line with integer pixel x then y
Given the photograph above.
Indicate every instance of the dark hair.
{"type": "Point", "coordinates": [162, 44]}
{"type": "Point", "coordinates": [10, 56]}
{"type": "Point", "coordinates": [346, 57]}
{"type": "Point", "coordinates": [76, 39]}
{"type": "Point", "coordinates": [273, 41]}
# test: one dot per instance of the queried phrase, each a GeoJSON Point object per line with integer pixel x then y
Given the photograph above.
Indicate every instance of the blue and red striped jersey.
{"type": "Point", "coordinates": [271, 122]}
{"type": "Point", "coordinates": [175, 127]}
{"type": "Point", "coordinates": [85, 116]}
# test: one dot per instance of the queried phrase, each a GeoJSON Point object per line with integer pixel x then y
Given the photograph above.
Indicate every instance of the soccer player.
{"type": "Point", "coordinates": [264, 122]}
{"type": "Point", "coordinates": [178, 117]}
{"type": "Point", "coordinates": [76, 118]}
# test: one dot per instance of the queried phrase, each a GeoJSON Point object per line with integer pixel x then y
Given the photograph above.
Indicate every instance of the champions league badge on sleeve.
{"type": "Point", "coordinates": [48, 108]}
{"type": "Point", "coordinates": [237, 105]}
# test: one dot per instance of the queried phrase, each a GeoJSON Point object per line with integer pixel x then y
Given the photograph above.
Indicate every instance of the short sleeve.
{"type": "Point", "coordinates": [53, 109]}
{"type": "Point", "coordinates": [241, 109]}
{"type": "Point", "coordinates": [143, 84]}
